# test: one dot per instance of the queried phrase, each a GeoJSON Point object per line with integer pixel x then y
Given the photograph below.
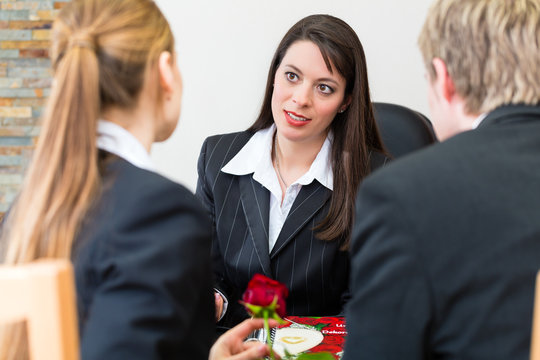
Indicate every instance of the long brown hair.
{"type": "Point", "coordinates": [355, 131]}
{"type": "Point", "coordinates": [101, 52]}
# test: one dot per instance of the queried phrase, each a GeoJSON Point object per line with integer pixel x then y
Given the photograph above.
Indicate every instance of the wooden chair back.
{"type": "Point", "coordinates": [42, 294]}
{"type": "Point", "coordinates": [535, 336]}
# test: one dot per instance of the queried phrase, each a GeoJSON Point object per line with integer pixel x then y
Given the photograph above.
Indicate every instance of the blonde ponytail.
{"type": "Point", "coordinates": [101, 51]}
{"type": "Point", "coordinates": [63, 177]}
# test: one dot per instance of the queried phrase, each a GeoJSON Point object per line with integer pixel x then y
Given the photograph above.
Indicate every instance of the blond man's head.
{"type": "Point", "coordinates": [491, 49]}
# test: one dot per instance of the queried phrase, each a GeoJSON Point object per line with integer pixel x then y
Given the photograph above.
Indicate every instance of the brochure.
{"type": "Point", "coordinates": [308, 335]}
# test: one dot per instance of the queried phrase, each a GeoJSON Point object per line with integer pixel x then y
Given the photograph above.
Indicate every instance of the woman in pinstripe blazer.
{"type": "Point", "coordinates": [281, 194]}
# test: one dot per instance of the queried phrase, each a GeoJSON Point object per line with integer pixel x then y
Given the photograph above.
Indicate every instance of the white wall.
{"type": "Point", "coordinates": [225, 46]}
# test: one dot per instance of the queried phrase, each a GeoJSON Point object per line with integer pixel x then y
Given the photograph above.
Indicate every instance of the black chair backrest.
{"type": "Point", "coordinates": [403, 130]}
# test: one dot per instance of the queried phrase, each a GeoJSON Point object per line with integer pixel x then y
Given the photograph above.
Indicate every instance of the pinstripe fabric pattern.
{"type": "Point", "coordinates": [316, 272]}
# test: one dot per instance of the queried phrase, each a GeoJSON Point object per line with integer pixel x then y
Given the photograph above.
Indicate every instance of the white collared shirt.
{"type": "Point", "coordinates": [120, 142]}
{"type": "Point", "coordinates": [256, 158]}
{"type": "Point", "coordinates": [478, 120]}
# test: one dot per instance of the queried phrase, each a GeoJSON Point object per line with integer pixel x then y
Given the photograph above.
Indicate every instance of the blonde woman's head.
{"type": "Point", "coordinates": [127, 37]}
{"type": "Point", "coordinates": [103, 53]}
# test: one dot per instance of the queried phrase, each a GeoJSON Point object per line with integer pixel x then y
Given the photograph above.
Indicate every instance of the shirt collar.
{"type": "Point", "coordinates": [120, 142]}
{"type": "Point", "coordinates": [255, 158]}
{"type": "Point", "coordinates": [478, 120]}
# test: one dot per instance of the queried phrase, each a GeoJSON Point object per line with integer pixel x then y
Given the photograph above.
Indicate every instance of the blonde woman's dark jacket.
{"type": "Point", "coordinates": [142, 266]}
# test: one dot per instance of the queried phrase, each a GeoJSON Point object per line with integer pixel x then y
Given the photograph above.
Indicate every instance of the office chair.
{"type": "Point", "coordinates": [403, 130]}
{"type": "Point", "coordinates": [42, 294]}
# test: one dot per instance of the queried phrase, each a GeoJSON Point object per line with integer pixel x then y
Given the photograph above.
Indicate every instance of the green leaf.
{"type": "Point", "coordinates": [288, 355]}
{"type": "Point", "coordinates": [316, 356]}
{"type": "Point", "coordinates": [276, 317]}
{"type": "Point", "coordinates": [258, 311]}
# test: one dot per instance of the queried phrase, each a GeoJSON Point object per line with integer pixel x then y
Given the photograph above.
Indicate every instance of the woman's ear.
{"type": "Point", "coordinates": [345, 104]}
{"type": "Point", "coordinates": [166, 73]}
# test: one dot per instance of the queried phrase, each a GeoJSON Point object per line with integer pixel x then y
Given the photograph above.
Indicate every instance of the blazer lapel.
{"type": "Point", "coordinates": [256, 204]}
{"type": "Point", "coordinates": [308, 202]}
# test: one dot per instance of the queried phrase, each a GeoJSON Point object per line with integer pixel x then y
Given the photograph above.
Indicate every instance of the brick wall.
{"type": "Point", "coordinates": [25, 81]}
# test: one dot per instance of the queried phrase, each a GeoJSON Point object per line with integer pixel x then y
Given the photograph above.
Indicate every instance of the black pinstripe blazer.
{"type": "Point", "coordinates": [316, 272]}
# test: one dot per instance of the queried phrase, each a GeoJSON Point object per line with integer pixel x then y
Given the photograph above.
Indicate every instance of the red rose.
{"type": "Point", "coordinates": [262, 291]}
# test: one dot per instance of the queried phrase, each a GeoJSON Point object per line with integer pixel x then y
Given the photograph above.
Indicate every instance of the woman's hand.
{"type": "Point", "coordinates": [231, 345]}
{"type": "Point", "coordinates": [219, 305]}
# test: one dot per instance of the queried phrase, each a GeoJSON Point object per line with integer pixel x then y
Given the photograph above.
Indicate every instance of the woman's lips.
{"type": "Point", "coordinates": [295, 119]}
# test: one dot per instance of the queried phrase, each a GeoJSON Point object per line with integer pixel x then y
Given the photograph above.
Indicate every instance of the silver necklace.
{"type": "Point", "coordinates": [277, 162]}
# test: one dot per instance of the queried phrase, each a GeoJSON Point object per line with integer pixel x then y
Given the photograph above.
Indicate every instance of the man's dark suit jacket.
{"type": "Point", "coordinates": [142, 268]}
{"type": "Point", "coordinates": [316, 272]}
{"type": "Point", "coordinates": [447, 245]}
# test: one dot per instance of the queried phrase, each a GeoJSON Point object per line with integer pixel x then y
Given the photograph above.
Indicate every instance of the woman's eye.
{"type": "Point", "coordinates": [291, 76]}
{"type": "Point", "coordinates": [325, 89]}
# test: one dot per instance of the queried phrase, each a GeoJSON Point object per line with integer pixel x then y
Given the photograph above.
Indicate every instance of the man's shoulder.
{"type": "Point", "coordinates": [433, 163]}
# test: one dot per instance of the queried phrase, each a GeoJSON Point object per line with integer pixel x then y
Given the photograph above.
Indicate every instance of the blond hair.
{"type": "Point", "coordinates": [490, 47]}
{"type": "Point", "coordinates": [101, 52]}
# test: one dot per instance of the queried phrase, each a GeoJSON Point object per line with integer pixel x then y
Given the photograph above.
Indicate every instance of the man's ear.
{"type": "Point", "coordinates": [443, 82]}
{"type": "Point", "coordinates": [166, 75]}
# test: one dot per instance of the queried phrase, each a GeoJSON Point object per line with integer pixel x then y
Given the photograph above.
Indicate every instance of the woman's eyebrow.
{"type": "Point", "coordinates": [324, 79]}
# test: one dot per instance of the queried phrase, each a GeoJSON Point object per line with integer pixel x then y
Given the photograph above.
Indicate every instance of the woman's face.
{"type": "Point", "coordinates": [306, 96]}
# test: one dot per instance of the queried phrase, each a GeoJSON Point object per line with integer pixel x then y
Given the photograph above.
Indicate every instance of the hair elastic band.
{"type": "Point", "coordinates": [82, 41]}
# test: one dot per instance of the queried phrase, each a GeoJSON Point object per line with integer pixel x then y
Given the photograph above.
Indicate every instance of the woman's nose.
{"type": "Point", "coordinates": [302, 95]}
